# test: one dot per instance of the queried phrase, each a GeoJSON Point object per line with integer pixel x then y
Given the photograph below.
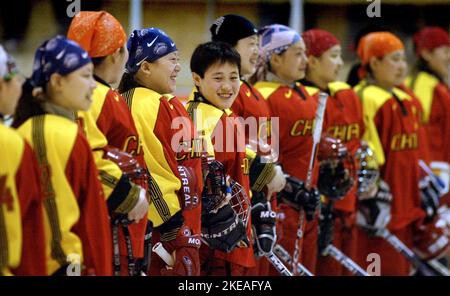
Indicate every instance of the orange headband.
{"type": "Point", "coordinates": [97, 32]}
{"type": "Point", "coordinates": [378, 44]}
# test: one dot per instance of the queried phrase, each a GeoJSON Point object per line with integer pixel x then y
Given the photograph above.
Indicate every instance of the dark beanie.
{"type": "Point", "coordinates": [231, 28]}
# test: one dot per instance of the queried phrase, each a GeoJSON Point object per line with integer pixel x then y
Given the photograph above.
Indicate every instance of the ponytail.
{"type": "Point", "coordinates": [127, 82]}
{"type": "Point", "coordinates": [28, 105]}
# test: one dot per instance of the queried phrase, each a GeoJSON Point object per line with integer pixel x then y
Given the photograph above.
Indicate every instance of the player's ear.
{"type": "Point", "coordinates": [56, 81]}
{"type": "Point", "coordinates": [426, 55]}
{"type": "Point", "coordinates": [196, 78]}
{"type": "Point", "coordinates": [114, 56]}
{"type": "Point", "coordinates": [312, 62]}
{"type": "Point", "coordinates": [374, 63]}
{"type": "Point", "coordinates": [275, 61]}
{"type": "Point", "coordinates": [146, 68]}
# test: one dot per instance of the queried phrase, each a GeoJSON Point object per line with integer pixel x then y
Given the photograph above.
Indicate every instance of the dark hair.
{"type": "Point", "coordinates": [97, 61]}
{"type": "Point", "coordinates": [127, 82]}
{"type": "Point", "coordinates": [209, 53]}
{"type": "Point", "coordinates": [28, 105]}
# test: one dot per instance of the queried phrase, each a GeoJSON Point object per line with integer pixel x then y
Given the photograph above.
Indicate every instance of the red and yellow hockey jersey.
{"type": "Point", "coordinates": [392, 128]}
{"type": "Point", "coordinates": [249, 103]}
{"type": "Point", "coordinates": [168, 140]}
{"type": "Point", "coordinates": [22, 239]}
{"type": "Point", "coordinates": [434, 97]}
{"type": "Point", "coordinates": [254, 112]}
{"type": "Point", "coordinates": [295, 110]}
{"type": "Point", "coordinates": [343, 120]}
{"type": "Point", "coordinates": [76, 220]}
{"type": "Point", "coordinates": [224, 141]}
{"type": "Point", "coordinates": [108, 123]}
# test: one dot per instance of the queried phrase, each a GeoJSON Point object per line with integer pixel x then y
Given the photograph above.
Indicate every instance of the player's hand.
{"type": "Point", "coordinates": [140, 210]}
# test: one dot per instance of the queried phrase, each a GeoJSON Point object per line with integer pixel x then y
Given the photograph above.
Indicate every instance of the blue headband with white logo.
{"type": "Point", "coordinates": [57, 55]}
{"type": "Point", "coordinates": [147, 45]}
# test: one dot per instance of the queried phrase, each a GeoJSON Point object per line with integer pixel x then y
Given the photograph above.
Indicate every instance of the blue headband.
{"type": "Point", "coordinates": [147, 45]}
{"type": "Point", "coordinates": [276, 39]}
{"type": "Point", "coordinates": [57, 55]}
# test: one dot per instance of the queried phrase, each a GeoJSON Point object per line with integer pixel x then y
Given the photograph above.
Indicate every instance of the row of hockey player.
{"type": "Point", "coordinates": [96, 176]}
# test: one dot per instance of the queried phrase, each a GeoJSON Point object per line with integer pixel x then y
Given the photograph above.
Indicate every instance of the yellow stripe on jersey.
{"type": "Point", "coordinates": [59, 135]}
{"type": "Point", "coordinates": [205, 118]}
{"type": "Point", "coordinates": [337, 86]}
{"type": "Point", "coordinates": [267, 88]}
{"type": "Point", "coordinates": [10, 216]}
{"type": "Point", "coordinates": [110, 172]}
{"type": "Point", "coordinates": [423, 85]}
{"type": "Point", "coordinates": [334, 87]}
{"type": "Point", "coordinates": [373, 98]}
{"type": "Point", "coordinates": [312, 90]}
{"type": "Point", "coordinates": [145, 105]}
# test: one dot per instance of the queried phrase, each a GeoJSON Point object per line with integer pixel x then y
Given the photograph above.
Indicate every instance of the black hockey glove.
{"type": "Point", "coordinates": [223, 230]}
{"type": "Point", "coordinates": [263, 223]}
{"type": "Point", "coordinates": [429, 197]}
{"type": "Point", "coordinates": [298, 197]}
{"type": "Point", "coordinates": [326, 227]}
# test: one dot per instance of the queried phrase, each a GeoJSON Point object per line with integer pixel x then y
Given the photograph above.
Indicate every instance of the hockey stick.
{"type": "Point", "coordinates": [159, 249]}
{"type": "Point", "coordinates": [426, 269]}
{"type": "Point", "coordinates": [345, 261]}
{"type": "Point", "coordinates": [317, 132]}
{"type": "Point", "coordinates": [143, 264]}
{"type": "Point", "coordinates": [439, 267]}
{"type": "Point", "coordinates": [278, 264]}
{"type": "Point", "coordinates": [325, 240]}
{"type": "Point", "coordinates": [286, 257]}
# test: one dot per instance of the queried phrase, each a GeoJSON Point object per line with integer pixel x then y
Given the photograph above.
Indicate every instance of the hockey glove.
{"type": "Point", "coordinates": [263, 220]}
{"type": "Point", "coordinates": [184, 249]}
{"type": "Point", "coordinates": [429, 197]}
{"type": "Point", "coordinates": [298, 197]}
{"type": "Point", "coordinates": [374, 213]}
{"type": "Point", "coordinates": [223, 230]}
{"type": "Point", "coordinates": [326, 227]}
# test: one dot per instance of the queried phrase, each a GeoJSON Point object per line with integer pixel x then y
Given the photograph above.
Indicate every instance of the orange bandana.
{"type": "Point", "coordinates": [98, 32]}
{"type": "Point", "coordinates": [377, 44]}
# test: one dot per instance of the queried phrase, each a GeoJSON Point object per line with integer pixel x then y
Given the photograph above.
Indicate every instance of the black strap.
{"type": "Point", "coordinates": [146, 261]}
{"type": "Point", "coordinates": [115, 236]}
{"type": "Point", "coordinates": [299, 91]}
{"type": "Point", "coordinates": [115, 229]}
{"type": "Point", "coordinates": [130, 257]}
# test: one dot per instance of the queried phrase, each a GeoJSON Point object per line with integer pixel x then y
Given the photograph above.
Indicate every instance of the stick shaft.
{"type": "Point", "coordinates": [286, 257]}
{"type": "Point", "coordinates": [278, 264]}
{"type": "Point", "coordinates": [346, 261]}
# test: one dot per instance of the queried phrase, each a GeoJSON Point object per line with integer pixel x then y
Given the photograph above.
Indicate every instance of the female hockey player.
{"type": "Point", "coordinates": [226, 227]}
{"type": "Point", "coordinates": [77, 223]}
{"type": "Point", "coordinates": [430, 84]}
{"type": "Point", "coordinates": [392, 128]}
{"type": "Point", "coordinates": [169, 145]}
{"type": "Point", "coordinates": [22, 244]}
{"type": "Point", "coordinates": [283, 61]}
{"type": "Point", "coordinates": [344, 121]}
{"type": "Point", "coordinates": [265, 177]}
{"type": "Point", "coordinates": [108, 124]}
